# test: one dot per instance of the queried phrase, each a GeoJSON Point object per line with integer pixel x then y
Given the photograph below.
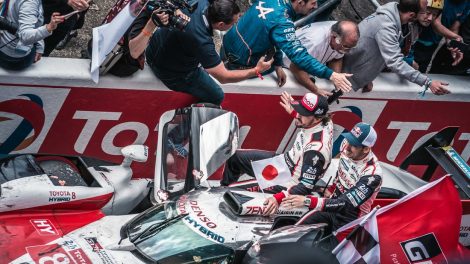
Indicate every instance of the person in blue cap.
{"type": "Point", "coordinates": [355, 187]}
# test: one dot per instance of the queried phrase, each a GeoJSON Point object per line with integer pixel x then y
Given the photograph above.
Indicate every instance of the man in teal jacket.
{"type": "Point", "coordinates": [268, 24]}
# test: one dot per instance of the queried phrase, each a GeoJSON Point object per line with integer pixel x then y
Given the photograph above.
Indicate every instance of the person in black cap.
{"type": "Point", "coordinates": [307, 160]}
{"type": "Point", "coordinates": [355, 187]}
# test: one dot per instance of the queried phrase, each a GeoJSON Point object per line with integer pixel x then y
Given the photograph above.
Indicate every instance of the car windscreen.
{"type": "Point", "coordinates": [16, 167]}
{"type": "Point", "coordinates": [176, 147]}
{"type": "Point", "coordinates": [178, 243]}
{"type": "Point", "coordinates": [162, 235]}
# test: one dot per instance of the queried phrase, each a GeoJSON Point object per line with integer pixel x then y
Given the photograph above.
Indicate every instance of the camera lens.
{"type": "Point", "coordinates": [178, 22]}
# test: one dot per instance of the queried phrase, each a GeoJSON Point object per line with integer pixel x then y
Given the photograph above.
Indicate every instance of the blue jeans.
{"type": "Point", "coordinates": [196, 82]}
{"type": "Point", "coordinates": [17, 64]}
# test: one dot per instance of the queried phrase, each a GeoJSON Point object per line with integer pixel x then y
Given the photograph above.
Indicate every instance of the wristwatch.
{"type": "Point", "coordinates": [307, 201]}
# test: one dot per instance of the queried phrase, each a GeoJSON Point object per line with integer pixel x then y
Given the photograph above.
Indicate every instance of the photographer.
{"type": "Point", "coordinates": [20, 50]}
{"type": "Point", "coordinates": [136, 39]}
{"type": "Point", "coordinates": [174, 56]}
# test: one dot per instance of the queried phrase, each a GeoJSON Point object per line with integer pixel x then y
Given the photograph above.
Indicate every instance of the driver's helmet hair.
{"type": "Point", "coordinates": [437, 4]}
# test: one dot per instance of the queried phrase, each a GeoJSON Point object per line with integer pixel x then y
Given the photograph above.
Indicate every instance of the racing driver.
{"type": "Point", "coordinates": [357, 183]}
{"type": "Point", "coordinates": [308, 158]}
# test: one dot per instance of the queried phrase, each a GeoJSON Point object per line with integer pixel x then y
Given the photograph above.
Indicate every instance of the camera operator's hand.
{"type": "Point", "coordinates": [79, 5]}
{"type": "Point", "coordinates": [262, 65]}
{"type": "Point", "coordinates": [179, 13]}
{"type": "Point", "coordinates": [56, 19]}
{"type": "Point", "coordinates": [160, 19]}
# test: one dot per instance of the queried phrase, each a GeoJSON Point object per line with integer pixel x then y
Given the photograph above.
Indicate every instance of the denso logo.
{"type": "Point", "coordinates": [200, 214]}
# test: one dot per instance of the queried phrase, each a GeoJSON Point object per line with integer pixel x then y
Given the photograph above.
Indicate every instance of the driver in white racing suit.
{"type": "Point", "coordinates": [308, 158]}
{"type": "Point", "coordinates": [357, 183]}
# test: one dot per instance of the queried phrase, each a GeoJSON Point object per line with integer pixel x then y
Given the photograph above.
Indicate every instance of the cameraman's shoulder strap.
{"type": "Point", "coordinates": [115, 9]}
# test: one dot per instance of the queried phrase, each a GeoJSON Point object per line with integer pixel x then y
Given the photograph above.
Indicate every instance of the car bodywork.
{"type": "Point", "coordinates": [36, 182]}
{"type": "Point", "coordinates": [200, 222]}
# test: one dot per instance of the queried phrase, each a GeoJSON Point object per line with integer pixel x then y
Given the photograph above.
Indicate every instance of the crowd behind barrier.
{"type": "Point", "coordinates": [57, 95]}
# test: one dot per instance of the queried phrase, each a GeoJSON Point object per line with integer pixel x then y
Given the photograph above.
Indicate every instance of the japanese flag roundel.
{"type": "Point", "coordinates": [272, 171]}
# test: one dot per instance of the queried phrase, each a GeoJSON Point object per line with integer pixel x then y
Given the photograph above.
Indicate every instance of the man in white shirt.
{"type": "Point", "coordinates": [327, 42]}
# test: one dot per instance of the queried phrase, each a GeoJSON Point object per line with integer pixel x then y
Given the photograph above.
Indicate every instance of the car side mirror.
{"type": "Point", "coordinates": [131, 153]}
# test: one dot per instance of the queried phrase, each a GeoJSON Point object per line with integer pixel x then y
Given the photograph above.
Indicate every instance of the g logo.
{"type": "Point", "coordinates": [422, 248]}
{"type": "Point", "coordinates": [415, 250]}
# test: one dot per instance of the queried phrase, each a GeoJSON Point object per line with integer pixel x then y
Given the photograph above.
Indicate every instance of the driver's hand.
{"type": "Point", "coordinates": [293, 201]}
{"type": "Point", "coordinates": [271, 206]}
{"type": "Point", "coordinates": [327, 193]}
{"type": "Point", "coordinates": [341, 82]}
{"type": "Point", "coordinates": [286, 99]}
{"type": "Point", "coordinates": [322, 92]}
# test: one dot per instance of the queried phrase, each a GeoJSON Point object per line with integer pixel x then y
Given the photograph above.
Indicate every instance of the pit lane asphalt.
{"type": "Point", "coordinates": [346, 10]}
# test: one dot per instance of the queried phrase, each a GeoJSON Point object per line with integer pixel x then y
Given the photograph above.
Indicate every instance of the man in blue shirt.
{"type": "Point", "coordinates": [268, 24]}
{"type": "Point", "coordinates": [174, 56]}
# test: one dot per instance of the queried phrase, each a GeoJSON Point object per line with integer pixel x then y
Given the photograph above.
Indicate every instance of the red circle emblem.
{"type": "Point", "coordinates": [269, 172]}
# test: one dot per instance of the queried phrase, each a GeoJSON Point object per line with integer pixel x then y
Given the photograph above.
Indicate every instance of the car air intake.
{"type": "Point", "coordinates": [235, 201]}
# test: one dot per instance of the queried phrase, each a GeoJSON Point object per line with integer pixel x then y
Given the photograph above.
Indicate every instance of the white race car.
{"type": "Point", "coordinates": [41, 182]}
{"type": "Point", "coordinates": [198, 223]}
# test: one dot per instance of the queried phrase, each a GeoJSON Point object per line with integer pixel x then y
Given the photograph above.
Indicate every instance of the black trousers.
{"type": "Point", "coordinates": [240, 163]}
{"type": "Point", "coordinates": [58, 34]}
{"type": "Point", "coordinates": [423, 55]}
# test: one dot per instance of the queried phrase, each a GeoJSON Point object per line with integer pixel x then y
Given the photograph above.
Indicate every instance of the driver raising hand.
{"type": "Point", "coordinates": [308, 158]}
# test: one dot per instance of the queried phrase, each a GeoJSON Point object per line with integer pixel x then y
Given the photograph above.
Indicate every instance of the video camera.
{"type": "Point", "coordinates": [169, 7]}
{"type": "Point", "coordinates": [7, 25]}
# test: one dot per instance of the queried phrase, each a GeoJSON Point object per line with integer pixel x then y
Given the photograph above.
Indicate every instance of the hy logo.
{"type": "Point", "coordinates": [31, 110]}
{"type": "Point", "coordinates": [346, 120]}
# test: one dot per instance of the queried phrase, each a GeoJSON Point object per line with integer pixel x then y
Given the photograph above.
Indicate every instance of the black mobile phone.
{"type": "Point", "coordinates": [270, 54]}
{"type": "Point", "coordinates": [460, 45]}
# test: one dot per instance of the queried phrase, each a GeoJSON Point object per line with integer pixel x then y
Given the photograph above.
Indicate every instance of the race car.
{"type": "Point", "coordinates": [195, 221]}
{"type": "Point", "coordinates": [43, 182]}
